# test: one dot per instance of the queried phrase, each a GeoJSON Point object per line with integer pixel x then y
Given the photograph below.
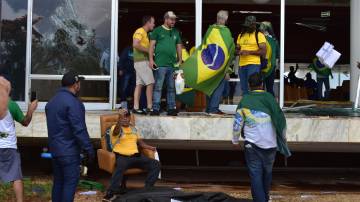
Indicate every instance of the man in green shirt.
{"type": "Point", "coordinates": [165, 46]}
{"type": "Point", "coordinates": [10, 163]}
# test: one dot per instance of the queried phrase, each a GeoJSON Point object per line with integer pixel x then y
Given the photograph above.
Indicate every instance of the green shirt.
{"type": "Point", "coordinates": [165, 48]}
{"type": "Point", "coordinates": [15, 111]}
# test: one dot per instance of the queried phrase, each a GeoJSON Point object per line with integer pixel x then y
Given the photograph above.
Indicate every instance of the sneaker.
{"type": "Point", "coordinates": [138, 111]}
{"type": "Point", "coordinates": [155, 113]}
{"type": "Point", "coordinates": [218, 113]}
{"type": "Point", "coordinates": [148, 111]}
{"type": "Point", "coordinates": [172, 112]}
{"type": "Point", "coordinates": [110, 196]}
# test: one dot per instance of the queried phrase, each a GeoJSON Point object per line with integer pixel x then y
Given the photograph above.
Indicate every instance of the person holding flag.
{"type": "Point", "coordinates": [272, 56]}
{"type": "Point", "coordinates": [322, 77]}
{"type": "Point", "coordinates": [212, 61]}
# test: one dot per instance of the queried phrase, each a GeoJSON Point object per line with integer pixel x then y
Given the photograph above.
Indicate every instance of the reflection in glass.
{"type": "Point", "coordinates": [71, 34]}
{"type": "Point", "coordinates": [91, 91]}
{"type": "Point", "coordinates": [13, 45]}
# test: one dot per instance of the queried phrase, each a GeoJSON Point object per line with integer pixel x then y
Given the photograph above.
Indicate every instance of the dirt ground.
{"type": "Point", "coordinates": [280, 193]}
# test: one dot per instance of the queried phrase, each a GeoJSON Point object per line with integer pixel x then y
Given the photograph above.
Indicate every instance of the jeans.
{"type": "Point", "coordinates": [123, 163]}
{"type": "Point", "coordinates": [269, 83]}
{"type": "Point", "coordinates": [214, 100]}
{"type": "Point", "coordinates": [164, 74]}
{"type": "Point", "coordinates": [320, 82]}
{"type": "Point", "coordinates": [66, 171]}
{"type": "Point", "coordinates": [259, 163]}
{"type": "Point", "coordinates": [244, 73]}
{"type": "Point", "coordinates": [126, 84]}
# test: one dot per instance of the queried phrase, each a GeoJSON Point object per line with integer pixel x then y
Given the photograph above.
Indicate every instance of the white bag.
{"type": "Point", "coordinates": [179, 82]}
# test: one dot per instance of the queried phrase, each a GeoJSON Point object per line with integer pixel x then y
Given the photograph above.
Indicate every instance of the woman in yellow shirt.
{"type": "Point", "coordinates": [251, 49]}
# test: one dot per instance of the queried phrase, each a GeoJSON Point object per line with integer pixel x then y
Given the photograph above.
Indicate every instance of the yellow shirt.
{"type": "Point", "coordinates": [248, 42]}
{"type": "Point", "coordinates": [184, 54]}
{"type": "Point", "coordinates": [268, 57]}
{"type": "Point", "coordinates": [141, 35]}
{"type": "Point", "coordinates": [127, 145]}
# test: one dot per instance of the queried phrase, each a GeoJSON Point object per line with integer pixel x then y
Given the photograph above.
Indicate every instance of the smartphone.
{"type": "Point", "coordinates": [33, 96]}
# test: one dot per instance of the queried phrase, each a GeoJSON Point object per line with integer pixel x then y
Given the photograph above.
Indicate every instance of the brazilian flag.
{"type": "Point", "coordinates": [207, 66]}
{"type": "Point", "coordinates": [319, 68]}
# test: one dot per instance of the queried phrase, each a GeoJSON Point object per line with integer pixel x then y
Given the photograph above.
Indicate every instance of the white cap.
{"type": "Point", "coordinates": [170, 14]}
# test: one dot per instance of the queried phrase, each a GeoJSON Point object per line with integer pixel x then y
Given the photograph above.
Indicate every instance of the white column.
{"type": "Point", "coordinates": [198, 22]}
{"type": "Point", "coordinates": [354, 46]}
{"type": "Point", "coordinates": [282, 52]}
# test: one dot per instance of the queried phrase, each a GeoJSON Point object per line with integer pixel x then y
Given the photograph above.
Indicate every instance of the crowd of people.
{"type": "Point", "coordinates": [156, 52]}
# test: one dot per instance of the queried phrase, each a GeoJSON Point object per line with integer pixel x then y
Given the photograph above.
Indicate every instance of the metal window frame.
{"type": "Point", "coordinates": [89, 105]}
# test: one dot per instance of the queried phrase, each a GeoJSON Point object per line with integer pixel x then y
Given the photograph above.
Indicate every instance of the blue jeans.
{"type": "Point", "coordinates": [214, 100]}
{"type": "Point", "coordinates": [259, 163]}
{"type": "Point", "coordinates": [269, 83]}
{"type": "Point", "coordinates": [164, 74]}
{"type": "Point", "coordinates": [320, 82]}
{"type": "Point", "coordinates": [244, 73]}
{"type": "Point", "coordinates": [66, 171]}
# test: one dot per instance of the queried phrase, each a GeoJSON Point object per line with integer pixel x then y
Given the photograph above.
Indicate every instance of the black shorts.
{"type": "Point", "coordinates": [10, 165]}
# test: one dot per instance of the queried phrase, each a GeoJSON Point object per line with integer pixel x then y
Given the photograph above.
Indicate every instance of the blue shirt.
{"type": "Point", "coordinates": [67, 132]}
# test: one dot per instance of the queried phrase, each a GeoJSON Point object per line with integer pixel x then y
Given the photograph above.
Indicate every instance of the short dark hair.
{"type": "Point", "coordinates": [146, 19]}
{"type": "Point", "coordinates": [255, 80]}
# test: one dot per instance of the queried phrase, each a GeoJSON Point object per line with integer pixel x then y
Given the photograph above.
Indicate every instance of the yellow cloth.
{"type": "Point", "coordinates": [247, 42]}
{"type": "Point", "coordinates": [192, 50]}
{"type": "Point", "coordinates": [127, 145]}
{"type": "Point", "coordinates": [141, 35]}
{"type": "Point", "coordinates": [268, 57]}
{"type": "Point", "coordinates": [184, 54]}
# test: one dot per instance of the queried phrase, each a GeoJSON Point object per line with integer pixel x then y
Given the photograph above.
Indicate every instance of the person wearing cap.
{"type": "Point", "coordinates": [272, 56]}
{"type": "Point", "coordinates": [68, 137]}
{"type": "Point", "coordinates": [144, 74]}
{"type": "Point", "coordinates": [164, 54]}
{"type": "Point", "coordinates": [252, 46]}
{"type": "Point", "coordinates": [213, 101]}
{"type": "Point", "coordinates": [126, 142]}
{"type": "Point", "coordinates": [10, 162]}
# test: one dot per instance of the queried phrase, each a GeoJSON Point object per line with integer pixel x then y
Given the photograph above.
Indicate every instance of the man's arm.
{"type": "Point", "coordinates": [179, 52]}
{"type": "Point", "coordinates": [31, 109]}
{"type": "Point", "coordinates": [139, 47]}
{"type": "Point", "coordinates": [78, 125]}
{"type": "Point", "coordinates": [151, 54]}
{"type": "Point", "coordinates": [143, 145]}
{"type": "Point", "coordinates": [237, 126]}
{"type": "Point", "coordinates": [4, 96]}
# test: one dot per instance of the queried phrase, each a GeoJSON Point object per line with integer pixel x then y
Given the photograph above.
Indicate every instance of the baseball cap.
{"type": "Point", "coordinates": [250, 20]}
{"type": "Point", "coordinates": [170, 14]}
{"type": "Point", "coordinates": [71, 78]}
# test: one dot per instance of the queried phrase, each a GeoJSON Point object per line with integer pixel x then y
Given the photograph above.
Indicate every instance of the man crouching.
{"type": "Point", "coordinates": [126, 140]}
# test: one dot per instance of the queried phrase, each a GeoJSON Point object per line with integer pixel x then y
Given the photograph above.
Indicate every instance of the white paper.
{"type": "Point", "coordinates": [328, 55]}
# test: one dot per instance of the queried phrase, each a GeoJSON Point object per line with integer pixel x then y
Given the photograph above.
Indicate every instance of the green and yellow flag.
{"type": "Point", "coordinates": [207, 66]}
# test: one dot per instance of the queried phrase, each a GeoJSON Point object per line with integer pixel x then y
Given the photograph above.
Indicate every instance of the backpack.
{"type": "Point", "coordinates": [109, 145]}
{"type": "Point", "coordinates": [263, 61]}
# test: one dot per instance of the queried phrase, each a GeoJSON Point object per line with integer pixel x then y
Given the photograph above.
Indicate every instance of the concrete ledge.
{"type": "Point", "coordinates": [206, 128]}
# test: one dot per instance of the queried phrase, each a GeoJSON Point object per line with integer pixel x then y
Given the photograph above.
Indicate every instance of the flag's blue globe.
{"type": "Point", "coordinates": [213, 56]}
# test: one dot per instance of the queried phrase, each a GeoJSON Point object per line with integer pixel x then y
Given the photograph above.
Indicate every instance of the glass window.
{"type": "Point", "coordinates": [13, 45]}
{"type": "Point", "coordinates": [71, 34]}
{"type": "Point", "coordinates": [91, 91]}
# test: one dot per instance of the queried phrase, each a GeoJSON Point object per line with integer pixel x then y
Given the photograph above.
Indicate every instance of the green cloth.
{"type": "Point", "coordinates": [207, 66]}
{"type": "Point", "coordinates": [165, 48]}
{"type": "Point", "coordinates": [266, 103]}
{"type": "Point", "coordinates": [15, 111]}
{"type": "Point", "coordinates": [321, 70]}
{"type": "Point", "coordinates": [275, 53]}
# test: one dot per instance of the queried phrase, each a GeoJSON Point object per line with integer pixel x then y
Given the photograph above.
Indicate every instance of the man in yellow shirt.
{"type": "Point", "coordinates": [252, 46]}
{"type": "Point", "coordinates": [125, 140]}
{"type": "Point", "coordinates": [144, 74]}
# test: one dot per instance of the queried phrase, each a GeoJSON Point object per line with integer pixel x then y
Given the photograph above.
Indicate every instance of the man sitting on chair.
{"type": "Point", "coordinates": [125, 140]}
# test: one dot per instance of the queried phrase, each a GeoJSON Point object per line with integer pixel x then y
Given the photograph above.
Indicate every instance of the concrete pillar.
{"type": "Point", "coordinates": [354, 46]}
